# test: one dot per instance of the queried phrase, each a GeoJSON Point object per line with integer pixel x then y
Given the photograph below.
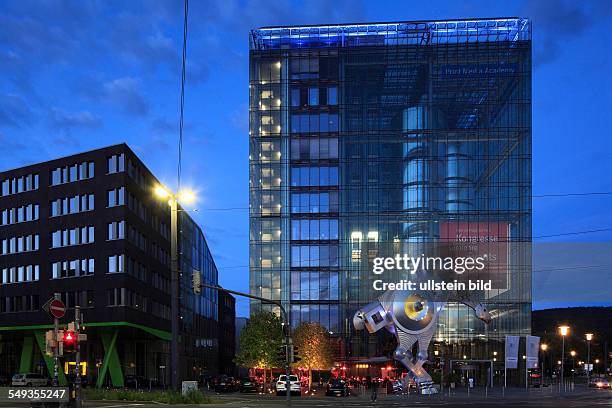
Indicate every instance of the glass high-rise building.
{"type": "Point", "coordinates": [366, 139]}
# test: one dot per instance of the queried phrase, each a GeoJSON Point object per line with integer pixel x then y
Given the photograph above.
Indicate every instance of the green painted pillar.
{"type": "Point", "coordinates": [27, 351]}
{"type": "Point", "coordinates": [111, 361]}
{"type": "Point", "coordinates": [40, 339]}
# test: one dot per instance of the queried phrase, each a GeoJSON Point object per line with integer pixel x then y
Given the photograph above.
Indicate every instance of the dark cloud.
{"type": "Point", "coordinates": [63, 120]}
{"type": "Point", "coordinates": [556, 22]}
{"type": "Point", "coordinates": [14, 111]}
{"type": "Point", "coordinates": [11, 145]}
{"type": "Point", "coordinates": [124, 93]}
{"type": "Point", "coordinates": [153, 146]}
{"type": "Point", "coordinates": [162, 126]}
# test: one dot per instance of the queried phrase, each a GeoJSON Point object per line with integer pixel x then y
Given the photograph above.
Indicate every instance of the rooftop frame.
{"type": "Point", "coordinates": [510, 29]}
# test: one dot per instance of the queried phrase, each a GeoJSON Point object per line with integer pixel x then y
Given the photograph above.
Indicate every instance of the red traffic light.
{"type": "Point", "coordinates": [69, 337]}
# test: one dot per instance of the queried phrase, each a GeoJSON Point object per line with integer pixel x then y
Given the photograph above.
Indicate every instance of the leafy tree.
{"type": "Point", "coordinates": [314, 348]}
{"type": "Point", "coordinates": [260, 341]}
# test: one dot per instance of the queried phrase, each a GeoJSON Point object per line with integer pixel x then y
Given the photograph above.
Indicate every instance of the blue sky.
{"type": "Point", "coordinates": [76, 75]}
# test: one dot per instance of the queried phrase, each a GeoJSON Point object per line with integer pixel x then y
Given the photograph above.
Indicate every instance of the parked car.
{"type": "Point", "coordinates": [29, 380]}
{"type": "Point", "coordinates": [248, 385]}
{"type": "Point", "coordinates": [337, 386]}
{"type": "Point", "coordinates": [294, 385]}
{"type": "Point", "coordinates": [225, 384]}
{"type": "Point", "coordinates": [599, 382]}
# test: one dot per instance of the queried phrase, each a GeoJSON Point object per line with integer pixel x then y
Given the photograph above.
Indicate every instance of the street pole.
{"type": "Point", "coordinates": [77, 378]}
{"type": "Point", "coordinates": [562, 360]}
{"type": "Point", "coordinates": [56, 349]}
{"type": "Point", "coordinates": [588, 361]}
{"type": "Point", "coordinates": [286, 331]}
{"type": "Point", "coordinates": [174, 288]}
{"type": "Point", "coordinates": [442, 370]}
{"type": "Point", "coordinates": [543, 370]}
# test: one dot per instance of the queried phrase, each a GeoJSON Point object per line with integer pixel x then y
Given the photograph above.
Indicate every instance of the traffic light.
{"type": "Point", "coordinates": [50, 342]}
{"type": "Point", "coordinates": [282, 353]}
{"type": "Point", "coordinates": [70, 340]}
{"type": "Point", "coordinates": [295, 357]}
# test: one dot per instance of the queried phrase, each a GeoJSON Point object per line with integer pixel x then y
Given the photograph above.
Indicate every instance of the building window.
{"type": "Point", "coordinates": [313, 96]}
{"type": "Point", "coordinates": [115, 164]}
{"type": "Point", "coordinates": [73, 268]}
{"type": "Point", "coordinates": [332, 95]}
{"type": "Point", "coordinates": [314, 285]}
{"type": "Point", "coordinates": [115, 230]}
{"type": "Point", "coordinates": [25, 303]}
{"type": "Point", "coordinates": [314, 176]}
{"type": "Point", "coordinates": [317, 230]}
{"type": "Point", "coordinates": [15, 245]}
{"type": "Point", "coordinates": [314, 149]}
{"type": "Point", "coordinates": [21, 214]}
{"type": "Point", "coordinates": [314, 255]}
{"type": "Point", "coordinates": [116, 197]}
{"type": "Point", "coordinates": [72, 173]}
{"type": "Point", "coordinates": [116, 264]}
{"type": "Point", "coordinates": [313, 203]}
{"type": "Point", "coordinates": [82, 298]}
{"type": "Point", "coordinates": [72, 205]}
{"type": "Point", "coordinates": [314, 122]}
{"type": "Point", "coordinates": [73, 236]}
{"type": "Point", "coordinates": [20, 184]}
{"type": "Point", "coordinates": [18, 274]}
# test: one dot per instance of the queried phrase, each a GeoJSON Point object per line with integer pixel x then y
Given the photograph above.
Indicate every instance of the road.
{"type": "Point", "coordinates": [581, 397]}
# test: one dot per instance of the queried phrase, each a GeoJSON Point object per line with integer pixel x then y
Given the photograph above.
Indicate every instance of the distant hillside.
{"type": "Point", "coordinates": [581, 320]}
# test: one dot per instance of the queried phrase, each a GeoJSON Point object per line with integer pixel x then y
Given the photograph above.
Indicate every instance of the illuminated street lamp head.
{"type": "Point", "coordinates": [161, 193]}
{"type": "Point", "coordinates": [186, 196]}
{"type": "Point", "coordinates": [573, 353]}
{"type": "Point", "coordinates": [544, 346]}
{"type": "Point", "coordinates": [564, 330]}
{"type": "Point", "coordinates": [589, 336]}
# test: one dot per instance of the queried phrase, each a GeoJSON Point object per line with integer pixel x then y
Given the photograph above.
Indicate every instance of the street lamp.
{"type": "Point", "coordinates": [596, 363]}
{"type": "Point", "coordinates": [186, 197]}
{"type": "Point", "coordinates": [573, 354]}
{"type": "Point", "coordinates": [543, 347]}
{"type": "Point", "coordinates": [564, 331]}
{"type": "Point", "coordinates": [589, 337]}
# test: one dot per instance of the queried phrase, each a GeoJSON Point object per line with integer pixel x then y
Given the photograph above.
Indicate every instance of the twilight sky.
{"type": "Point", "coordinates": [77, 75]}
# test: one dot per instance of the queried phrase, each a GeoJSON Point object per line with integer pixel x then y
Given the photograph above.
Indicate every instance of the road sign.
{"type": "Point", "coordinates": [55, 307]}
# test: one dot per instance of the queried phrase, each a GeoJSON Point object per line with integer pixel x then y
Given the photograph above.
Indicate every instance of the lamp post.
{"type": "Point", "coordinates": [573, 354]}
{"type": "Point", "coordinates": [563, 330]}
{"type": "Point", "coordinates": [589, 337]}
{"type": "Point", "coordinates": [173, 199]}
{"type": "Point", "coordinates": [596, 363]}
{"type": "Point", "coordinates": [543, 347]}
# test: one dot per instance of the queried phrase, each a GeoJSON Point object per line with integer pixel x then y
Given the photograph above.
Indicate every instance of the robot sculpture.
{"type": "Point", "coordinates": [412, 318]}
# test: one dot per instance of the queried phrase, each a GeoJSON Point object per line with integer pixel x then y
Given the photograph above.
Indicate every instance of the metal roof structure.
{"type": "Point", "coordinates": [509, 29]}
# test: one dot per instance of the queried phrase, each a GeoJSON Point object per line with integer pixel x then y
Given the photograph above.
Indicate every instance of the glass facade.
{"type": "Point", "coordinates": [368, 139]}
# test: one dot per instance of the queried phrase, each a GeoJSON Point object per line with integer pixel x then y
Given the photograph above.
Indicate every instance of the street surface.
{"type": "Point", "coordinates": [547, 397]}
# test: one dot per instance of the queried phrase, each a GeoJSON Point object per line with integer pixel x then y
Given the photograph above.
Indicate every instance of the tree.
{"type": "Point", "coordinates": [260, 341]}
{"type": "Point", "coordinates": [314, 348]}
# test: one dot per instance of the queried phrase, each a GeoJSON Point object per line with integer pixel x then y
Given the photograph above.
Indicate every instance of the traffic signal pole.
{"type": "Point", "coordinates": [77, 377]}
{"type": "Point", "coordinates": [55, 382]}
{"type": "Point", "coordinates": [286, 331]}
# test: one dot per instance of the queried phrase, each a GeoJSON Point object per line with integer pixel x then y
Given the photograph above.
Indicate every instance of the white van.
{"type": "Point", "coordinates": [29, 380]}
